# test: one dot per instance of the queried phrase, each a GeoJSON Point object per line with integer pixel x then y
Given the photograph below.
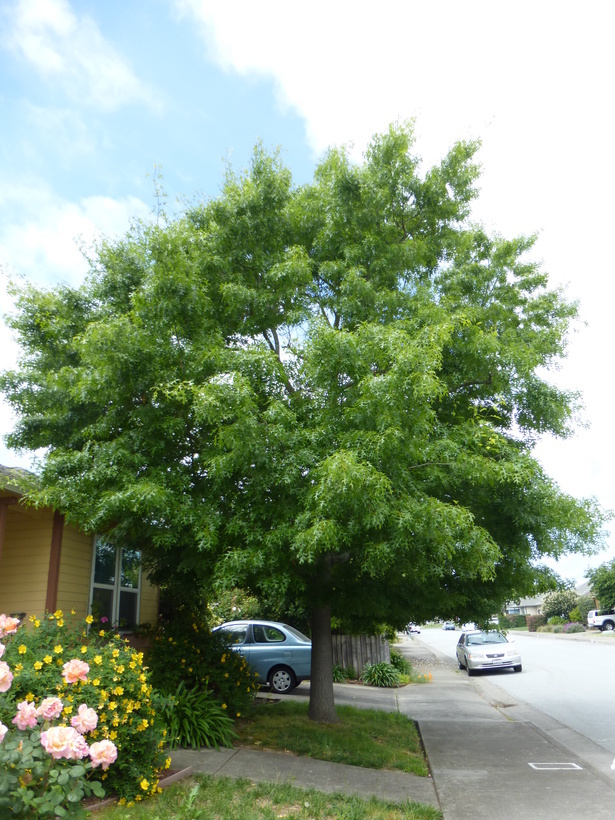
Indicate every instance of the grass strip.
{"type": "Point", "coordinates": [204, 797]}
{"type": "Point", "coordinates": [363, 737]}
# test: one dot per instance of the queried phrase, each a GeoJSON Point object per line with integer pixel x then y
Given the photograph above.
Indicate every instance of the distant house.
{"type": "Point", "coordinates": [46, 565]}
{"type": "Point", "coordinates": [525, 606]}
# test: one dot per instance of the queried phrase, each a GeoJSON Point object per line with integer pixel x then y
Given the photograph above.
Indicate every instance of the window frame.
{"type": "Point", "coordinates": [116, 588]}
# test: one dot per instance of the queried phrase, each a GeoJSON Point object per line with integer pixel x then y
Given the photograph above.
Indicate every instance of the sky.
{"type": "Point", "coordinates": [98, 100]}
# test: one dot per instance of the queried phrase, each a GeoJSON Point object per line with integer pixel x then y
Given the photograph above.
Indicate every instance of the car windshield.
{"type": "Point", "coordinates": [486, 638]}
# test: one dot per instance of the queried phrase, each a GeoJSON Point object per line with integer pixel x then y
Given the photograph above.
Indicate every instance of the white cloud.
{"type": "Point", "coordinates": [531, 80]}
{"type": "Point", "coordinates": [45, 245]}
{"type": "Point", "coordinates": [71, 50]}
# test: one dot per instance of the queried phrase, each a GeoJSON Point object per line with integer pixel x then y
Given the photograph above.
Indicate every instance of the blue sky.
{"type": "Point", "coordinates": [95, 95]}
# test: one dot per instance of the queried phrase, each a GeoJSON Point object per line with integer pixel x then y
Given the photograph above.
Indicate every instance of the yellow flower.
{"type": "Point", "coordinates": [58, 649]}
{"type": "Point", "coordinates": [37, 623]}
{"type": "Point", "coordinates": [47, 659]}
{"type": "Point", "coordinates": [224, 705]}
{"type": "Point", "coordinates": [73, 612]}
{"type": "Point", "coordinates": [98, 660]}
{"type": "Point", "coordinates": [144, 785]}
{"type": "Point", "coordinates": [89, 619]}
{"type": "Point", "coordinates": [67, 710]}
{"type": "Point", "coordinates": [29, 697]}
{"type": "Point", "coordinates": [102, 633]}
{"type": "Point", "coordinates": [38, 665]}
{"type": "Point", "coordinates": [119, 669]}
{"type": "Point", "coordinates": [119, 690]}
{"type": "Point", "coordinates": [58, 613]}
{"type": "Point", "coordinates": [115, 653]}
{"type": "Point", "coordinates": [167, 763]}
{"type": "Point", "coordinates": [112, 735]}
{"type": "Point", "coordinates": [18, 667]}
{"type": "Point", "coordinates": [96, 682]}
{"type": "Point", "coordinates": [22, 649]}
{"type": "Point", "coordinates": [84, 649]}
{"type": "Point", "coordinates": [60, 622]}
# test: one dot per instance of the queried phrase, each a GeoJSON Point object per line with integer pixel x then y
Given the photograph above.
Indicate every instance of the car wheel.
{"type": "Point", "coordinates": [282, 680]}
{"type": "Point", "coordinates": [461, 666]}
{"type": "Point", "coordinates": [608, 626]}
{"type": "Point", "coordinates": [471, 672]}
{"type": "Point", "coordinates": [517, 668]}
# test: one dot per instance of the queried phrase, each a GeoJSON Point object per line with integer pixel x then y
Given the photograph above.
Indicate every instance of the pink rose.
{"type": "Point", "coordinates": [6, 677]}
{"type": "Point", "coordinates": [50, 708]}
{"type": "Point", "coordinates": [75, 670]}
{"type": "Point", "coordinates": [26, 717]}
{"type": "Point", "coordinates": [8, 625]}
{"type": "Point", "coordinates": [64, 741]}
{"type": "Point", "coordinates": [85, 720]}
{"type": "Point", "coordinates": [104, 752]}
{"type": "Point", "coordinates": [2, 648]}
{"type": "Point", "coordinates": [3, 730]}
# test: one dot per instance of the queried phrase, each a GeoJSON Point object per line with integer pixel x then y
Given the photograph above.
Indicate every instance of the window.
{"type": "Point", "coordinates": [116, 583]}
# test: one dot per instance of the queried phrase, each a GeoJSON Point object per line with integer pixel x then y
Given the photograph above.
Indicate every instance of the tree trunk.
{"type": "Point", "coordinates": [322, 703]}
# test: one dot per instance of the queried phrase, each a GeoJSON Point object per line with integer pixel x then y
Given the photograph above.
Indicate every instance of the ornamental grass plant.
{"type": "Point", "coordinates": [109, 678]}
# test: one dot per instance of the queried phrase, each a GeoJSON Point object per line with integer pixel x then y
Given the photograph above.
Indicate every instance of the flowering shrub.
{"type": "Point", "coordinates": [92, 675]}
{"type": "Point", "coordinates": [185, 650]}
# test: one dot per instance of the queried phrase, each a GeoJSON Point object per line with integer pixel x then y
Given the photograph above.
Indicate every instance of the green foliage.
{"type": "Point", "coordinates": [186, 651]}
{"type": "Point", "coordinates": [401, 663]}
{"type": "Point", "coordinates": [557, 620]}
{"type": "Point", "coordinates": [194, 718]}
{"type": "Point", "coordinates": [560, 603]}
{"type": "Point", "coordinates": [117, 687]}
{"type": "Point", "coordinates": [34, 784]}
{"type": "Point", "coordinates": [380, 674]}
{"type": "Point", "coordinates": [535, 621]}
{"type": "Point", "coordinates": [602, 583]}
{"type": "Point", "coordinates": [340, 675]}
{"type": "Point", "coordinates": [575, 615]}
{"type": "Point", "coordinates": [233, 604]}
{"type": "Point", "coordinates": [324, 395]}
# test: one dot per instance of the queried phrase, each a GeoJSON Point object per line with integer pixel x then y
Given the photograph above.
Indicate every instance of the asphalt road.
{"type": "Point", "coordinates": [569, 680]}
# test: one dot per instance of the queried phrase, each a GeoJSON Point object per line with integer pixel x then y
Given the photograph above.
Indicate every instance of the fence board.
{"type": "Point", "coordinates": [357, 651]}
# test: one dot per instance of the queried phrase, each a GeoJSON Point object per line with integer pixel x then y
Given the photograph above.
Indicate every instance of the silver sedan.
{"type": "Point", "coordinates": [479, 650]}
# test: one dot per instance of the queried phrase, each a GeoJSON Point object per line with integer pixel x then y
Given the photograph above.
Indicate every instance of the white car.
{"type": "Point", "coordinates": [487, 650]}
{"type": "Point", "coordinates": [413, 628]}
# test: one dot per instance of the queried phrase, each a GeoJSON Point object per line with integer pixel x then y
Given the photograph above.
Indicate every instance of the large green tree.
{"type": "Point", "coordinates": [602, 583]}
{"type": "Point", "coordinates": [327, 394]}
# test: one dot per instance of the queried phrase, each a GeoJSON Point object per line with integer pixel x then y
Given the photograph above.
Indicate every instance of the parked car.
{"type": "Point", "coordinates": [487, 650]}
{"type": "Point", "coordinates": [413, 628]}
{"type": "Point", "coordinates": [448, 625]}
{"type": "Point", "coordinates": [278, 653]}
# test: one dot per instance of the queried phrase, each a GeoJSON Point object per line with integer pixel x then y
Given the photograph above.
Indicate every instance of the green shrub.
{"type": "Point", "coordinates": [557, 620]}
{"type": "Point", "coordinates": [340, 675]}
{"type": "Point", "coordinates": [116, 686]}
{"type": "Point", "coordinates": [194, 717]}
{"type": "Point", "coordinates": [380, 674]}
{"type": "Point", "coordinates": [187, 651]}
{"type": "Point", "coordinates": [401, 663]}
{"type": "Point", "coordinates": [534, 621]}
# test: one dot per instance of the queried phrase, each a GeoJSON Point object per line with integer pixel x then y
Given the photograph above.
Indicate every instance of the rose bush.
{"type": "Point", "coordinates": [36, 775]}
{"type": "Point", "coordinates": [89, 672]}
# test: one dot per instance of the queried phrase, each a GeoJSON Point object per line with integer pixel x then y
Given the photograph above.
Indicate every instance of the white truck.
{"type": "Point", "coordinates": [602, 619]}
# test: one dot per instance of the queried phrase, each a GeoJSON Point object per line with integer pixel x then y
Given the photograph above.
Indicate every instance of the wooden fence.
{"type": "Point", "coordinates": [357, 651]}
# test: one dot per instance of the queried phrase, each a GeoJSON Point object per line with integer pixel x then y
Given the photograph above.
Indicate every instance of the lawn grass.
{"type": "Point", "coordinates": [204, 797]}
{"type": "Point", "coordinates": [363, 737]}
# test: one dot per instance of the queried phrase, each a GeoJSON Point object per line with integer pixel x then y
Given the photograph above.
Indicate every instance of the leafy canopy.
{"type": "Point", "coordinates": [325, 394]}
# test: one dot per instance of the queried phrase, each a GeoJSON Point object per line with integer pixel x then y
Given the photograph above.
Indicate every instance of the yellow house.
{"type": "Point", "coordinates": [46, 565]}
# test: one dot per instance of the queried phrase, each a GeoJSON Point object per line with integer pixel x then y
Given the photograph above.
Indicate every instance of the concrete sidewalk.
{"type": "Point", "coordinates": [490, 757]}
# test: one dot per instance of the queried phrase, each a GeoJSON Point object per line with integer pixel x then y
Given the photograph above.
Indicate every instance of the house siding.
{"type": "Point", "coordinates": [25, 561]}
{"type": "Point", "coordinates": [75, 572]}
{"type": "Point", "coordinates": [148, 610]}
